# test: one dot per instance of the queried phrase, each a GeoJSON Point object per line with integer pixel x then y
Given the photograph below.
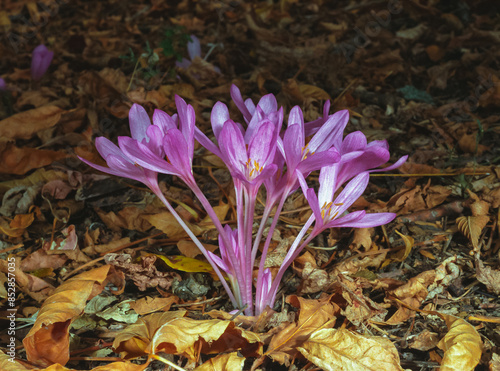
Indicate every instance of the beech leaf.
{"type": "Point", "coordinates": [344, 350]}
{"type": "Point", "coordinates": [462, 345]}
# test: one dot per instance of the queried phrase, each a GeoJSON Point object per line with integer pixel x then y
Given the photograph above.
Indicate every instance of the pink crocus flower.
{"type": "Point", "coordinates": [40, 62]}
{"type": "Point", "coordinates": [169, 148]}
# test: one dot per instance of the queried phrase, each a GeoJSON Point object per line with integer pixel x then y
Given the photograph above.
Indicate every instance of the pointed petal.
{"type": "Point", "coordinates": [219, 115]}
{"type": "Point", "coordinates": [105, 147]}
{"type": "Point", "coordinates": [351, 192]}
{"type": "Point", "coordinates": [293, 145]}
{"type": "Point", "coordinates": [319, 160]}
{"type": "Point", "coordinates": [353, 142]}
{"type": "Point", "coordinates": [397, 164]}
{"type": "Point", "coordinates": [163, 120]}
{"type": "Point", "coordinates": [330, 134]}
{"type": "Point", "coordinates": [205, 142]}
{"type": "Point", "coordinates": [327, 181]}
{"type": "Point", "coordinates": [314, 204]}
{"type": "Point", "coordinates": [238, 100]}
{"type": "Point", "coordinates": [232, 147]}
{"type": "Point", "coordinates": [366, 221]}
{"type": "Point", "coordinates": [194, 47]}
{"type": "Point", "coordinates": [143, 156]}
{"type": "Point", "coordinates": [263, 144]}
{"type": "Point", "coordinates": [139, 122]}
{"type": "Point", "coordinates": [176, 148]}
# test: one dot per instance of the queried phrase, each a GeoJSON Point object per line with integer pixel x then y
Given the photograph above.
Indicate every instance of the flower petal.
{"type": "Point", "coordinates": [139, 122]}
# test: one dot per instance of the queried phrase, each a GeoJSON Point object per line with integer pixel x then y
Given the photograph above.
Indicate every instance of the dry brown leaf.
{"type": "Point", "coordinates": [409, 242]}
{"type": "Point", "coordinates": [472, 226]}
{"type": "Point", "coordinates": [488, 276]}
{"type": "Point", "coordinates": [166, 223]}
{"type": "Point", "coordinates": [115, 366]}
{"type": "Point", "coordinates": [462, 345]}
{"type": "Point", "coordinates": [344, 350]}
{"type": "Point", "coordinates": [223, 362]}
{"type": "Point", "coordinates": [313, 315]}
{"type": "Point", "coordinates": [18, 161]}
{"type": "Point", "coordinates": [48, 340]}
{"type": "Point", "coordinates": [24, 124]}
{"type": "Point", "coordinates": [412, 294]}
{"type": "Point", "coordinates": [424, 341]}
{"type": "Point", "coordinates": [171, 333]}
{"type": "Point", "coordinates": [7, 363]}
{"type": "Point", "coordinates": [149, 305]}
{"type": "Point", "coordinates": [35, 287]}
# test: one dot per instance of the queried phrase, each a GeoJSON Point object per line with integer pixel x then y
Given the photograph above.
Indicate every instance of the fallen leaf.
{"type": "Point", "coordinates": [488, 276]}
{"type": "Point", "coordinates": [172, 333]}
{"type": "Point", "coordinates": [223, 362]}
{"type": "Point", "coordinates": [462, 345]}
{"type": "Point", "coordinates": [472, 226]}
{"type": "Point", "coordinates": [48, 340]}
{"type": "Point", "coordinates": [18, 161]}
{"type": "Point", "coordinates": [149, 305]}
{"type": "Point", "coordinates": [313, 315]}
{"type": "Point", "coordinates": [344, 350]}
{"type": "Point", "coordinates": [25, 124]}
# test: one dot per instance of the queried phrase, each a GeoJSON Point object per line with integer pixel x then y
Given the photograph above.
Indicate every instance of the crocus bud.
{"type": "Point", "coordinates": [3, 85]}
{"type": "Point", "coordinates": [40, 61]}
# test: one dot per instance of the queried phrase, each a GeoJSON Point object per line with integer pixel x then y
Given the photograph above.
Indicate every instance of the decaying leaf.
{"type": "Point", "coordinates": [172, 333]}
{"type": "Point", "coordinates": [48, 340]}
{"type": "Point", "coordinates": [223, 362]}
{"type": "Point", "coordinates": [462, 345]}
{"type": "Point", "coordinates": [344, 350]}
{"type": "Point", "coordinates": [20, 160]}
{"type": "Point", "coordinates": [488, 276]}
{"type": "Point", "coordinates": [472, 226]}
{"type": "Point", "coordinates": [313, 315]}
{"type": "Point", "coordinates": [24, 124]}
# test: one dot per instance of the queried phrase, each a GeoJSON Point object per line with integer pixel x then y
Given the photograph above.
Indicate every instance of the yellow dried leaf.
{"type": "Point", "coordinates": [173, 334]}
{"type": "Point", "coordinates": [462, 345]}
{"type": "Point", "coordinates": [223, 362]}
{"type": "Point", "coordinates": [166, 223]}
{"type": "Point", "coordinates": [472, 226]}
{"type": "Point", "coordinates": [336, 350]}
{"type": "Point", "coordinates": [313, 315]}
{"type": "Point", "coordinates": [185, 264]}
{"type": "Point", "coordinates": [409, 242]}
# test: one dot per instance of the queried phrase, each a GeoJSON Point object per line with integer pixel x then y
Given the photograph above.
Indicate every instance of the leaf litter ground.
{"type": "Point", "coordinates": [106, 280]}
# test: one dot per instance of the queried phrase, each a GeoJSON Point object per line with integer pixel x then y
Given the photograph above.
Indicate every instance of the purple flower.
{"type": "Point", "coordinates": [3, 85]}
{"type": "Point", "coordinates": [119, 163]}
{"type": "Point", "coordinates": [330, 211]}
{"type": "Point", "coordinates": [359, 156]}
{"type": "Point", "coordinates": [40, 62]}
{"type": "Point", "coordinates": [169, 136]}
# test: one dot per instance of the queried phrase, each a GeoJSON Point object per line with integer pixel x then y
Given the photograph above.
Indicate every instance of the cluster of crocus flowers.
{"type": "Point", "coordinates": [259, 154]}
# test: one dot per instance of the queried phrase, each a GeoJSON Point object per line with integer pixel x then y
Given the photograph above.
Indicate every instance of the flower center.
{"type": "Point", "coordinates": [253, 167]}
{"type": "Point", "coordinates": [328, 209]}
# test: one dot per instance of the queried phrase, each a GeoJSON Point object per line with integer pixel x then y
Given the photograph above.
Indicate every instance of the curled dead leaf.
{"type": "Point", "coordinates": [48, 340]}
{"type": "Point", "coordinates": [462, 345]}
{"type": "Point", "coordinates": [172, 333]}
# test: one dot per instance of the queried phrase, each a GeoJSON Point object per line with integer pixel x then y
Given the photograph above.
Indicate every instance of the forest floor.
{"type": "Point", "coordinates": [97, 275]}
